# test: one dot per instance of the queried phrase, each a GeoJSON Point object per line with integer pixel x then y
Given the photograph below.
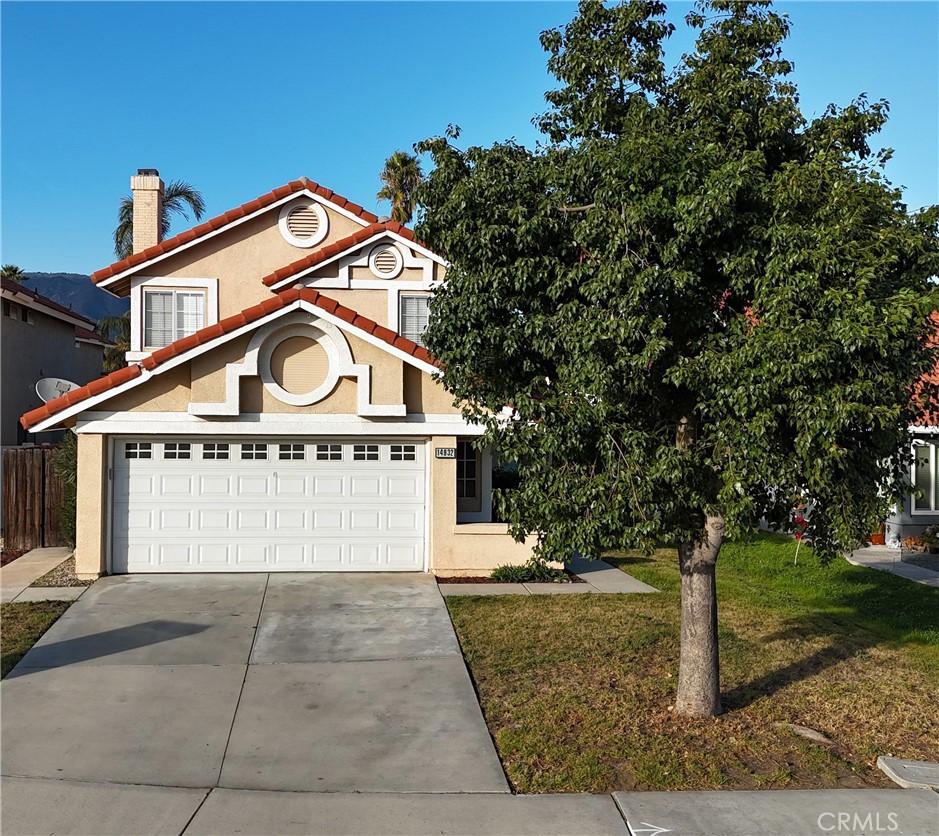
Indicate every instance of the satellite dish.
{"type": "Point", "coordinates": [53, 387]}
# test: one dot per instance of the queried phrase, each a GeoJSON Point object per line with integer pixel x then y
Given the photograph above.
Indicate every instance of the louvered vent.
{"type": "Point", "coordinates": [303, 222]}
{"type": "Point", "coordinates": [386, 261]}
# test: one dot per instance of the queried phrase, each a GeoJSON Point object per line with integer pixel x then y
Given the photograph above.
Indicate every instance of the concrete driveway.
{"type": "Point", "coordinates": [325, 683]}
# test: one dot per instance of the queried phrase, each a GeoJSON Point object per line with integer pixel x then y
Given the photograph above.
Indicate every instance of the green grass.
{"type": "Point", "coordinates": [577, 690]}
{"type": "Point", "coordinates": [21, 625]}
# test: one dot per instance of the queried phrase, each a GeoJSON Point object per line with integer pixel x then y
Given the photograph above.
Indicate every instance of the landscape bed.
{"type": "Point", "coordinates": [577, 691]}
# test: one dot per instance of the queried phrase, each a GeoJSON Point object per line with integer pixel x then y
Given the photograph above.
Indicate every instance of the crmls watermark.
{"type": "Point", "coordinates": [858, 822]}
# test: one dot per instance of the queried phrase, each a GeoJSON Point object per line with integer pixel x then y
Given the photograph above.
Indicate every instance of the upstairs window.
{"type": "Point", "coordinates": [414, 313]}
{"type": "Point", "coordinates": [170, 315]}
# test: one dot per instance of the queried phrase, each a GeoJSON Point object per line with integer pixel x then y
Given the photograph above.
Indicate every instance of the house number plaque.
{"type": "Point", "coordinates": [445, 452]}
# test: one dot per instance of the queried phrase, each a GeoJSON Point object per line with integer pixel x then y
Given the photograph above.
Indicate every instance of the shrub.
{"type": "Point", "coordinates": [65, 464]}
{"type": "Point", "coordinates": [912, 544]}
{"type": "Point", "coordinates": [535, 571]}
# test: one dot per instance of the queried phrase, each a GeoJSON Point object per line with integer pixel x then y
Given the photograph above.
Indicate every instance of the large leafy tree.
{"type": "Point", "coordinates": [179, 198]}
{"type": "Point", "coordinates": [698, 303]}
{"type": "Point", "coordinates": [116, 330]}
{"type": "Point", "coordinates": [400, 178]}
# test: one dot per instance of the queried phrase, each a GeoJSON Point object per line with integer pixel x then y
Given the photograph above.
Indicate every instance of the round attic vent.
{"type": "Point", "coordinates": [385, 262]}
{"type": "Point", "coordinates": [303, 224]}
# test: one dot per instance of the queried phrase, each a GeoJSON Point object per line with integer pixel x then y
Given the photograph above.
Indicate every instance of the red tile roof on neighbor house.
{"type": "Point", "coordinates": [337, 247]}
{"type": "Point", "coordinates": [228, 217]}
{"type": "Point", "coordinates": [15, 287]}
{"type": "Point", "coordinates": [226, 326]}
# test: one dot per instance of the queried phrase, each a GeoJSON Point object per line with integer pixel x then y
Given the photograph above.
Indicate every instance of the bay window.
{"type": "Point", "coordinates": [170, 315]}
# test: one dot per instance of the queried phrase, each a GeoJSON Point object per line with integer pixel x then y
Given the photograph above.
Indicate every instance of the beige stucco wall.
{"type": "Point", "coordinates": [240, 257]}
{"type": "Point", "coordinates": [91, 503]}
{"type": "Point", "coordinates": [423, 394]}
{"type": "Point", "coordinates": [168, 392]}
{"type": "Point", "coordinates": [470, 549]}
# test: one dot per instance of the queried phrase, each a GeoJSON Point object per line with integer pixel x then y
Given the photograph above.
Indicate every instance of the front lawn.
{"type": "Point", "coordinates": [21, 625]}
{"type": "Point", "coordinates": [577, 690]}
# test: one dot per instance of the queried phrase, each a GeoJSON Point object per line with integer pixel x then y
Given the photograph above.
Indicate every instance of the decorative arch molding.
{"type": "Point", "coordinates": [257, 363]}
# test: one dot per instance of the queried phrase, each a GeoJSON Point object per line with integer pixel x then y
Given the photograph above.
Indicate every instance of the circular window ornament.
{"type": "Point", "coordinates": [385, 261]}
{"type": "Point", "coordinates": [303, 224]}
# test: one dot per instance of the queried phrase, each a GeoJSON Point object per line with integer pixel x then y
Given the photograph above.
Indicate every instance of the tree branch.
{"type": "Point", "coordinates": [583, 208]}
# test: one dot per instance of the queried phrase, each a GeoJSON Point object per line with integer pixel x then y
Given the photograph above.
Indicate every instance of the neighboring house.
{"type": "Point", "coordinates": [278, 412]}
{"type": "Point", "coordinates": [40, 338]}
{"type": "Point", "coordinates": [920, 509]}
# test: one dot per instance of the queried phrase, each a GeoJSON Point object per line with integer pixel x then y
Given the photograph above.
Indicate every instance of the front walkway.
{"type": "Point", "coordinates": [888, 560]}
{"type": "Point", "coordinates": [16, 577]}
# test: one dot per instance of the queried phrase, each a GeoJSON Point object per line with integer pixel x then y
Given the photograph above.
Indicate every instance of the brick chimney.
{"type": "Point", "coordinates": [147, 189]}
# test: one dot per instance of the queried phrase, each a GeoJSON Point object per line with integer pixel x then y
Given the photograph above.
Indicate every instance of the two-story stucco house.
{"type": "Point", "coordinates": [40, 338]}
{"type": "Point", "coordinates": [278, 412]}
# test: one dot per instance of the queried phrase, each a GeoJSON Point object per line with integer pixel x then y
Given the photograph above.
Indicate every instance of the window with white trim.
{"type": "Point", "coordinates": [926, 497]}
{"type": "Point", "coordinates": [403, 453]}
{"type": "Point", "coordinates": [170, 315]}
{"type": "Point", "coordinates": [177, 450]}
{"type": "Point", "coordinates": [365, 452]}
{"type": "Point", "coordinates": [414, 313]}
{"type": "Point", "coordinates": [253, 451]}
{"type": "Point", "coordinates": [138, 450]}
{"type": "Point", "coordinates": [215, 451]}
{"type": "Point", "coordinates": [329, 452]}
{"type": "Point", "coordinates": [291, 452]}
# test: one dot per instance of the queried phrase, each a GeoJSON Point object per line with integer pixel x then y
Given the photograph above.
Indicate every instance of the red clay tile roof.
{"type": "Point", "coordinates": [16, 287]}
{"type": "Point", "coordinates": [211, 332]}
{"type": "Point", "coordinates": [228, 217]}
{"type": "Point", "coordinates": [343, 244]}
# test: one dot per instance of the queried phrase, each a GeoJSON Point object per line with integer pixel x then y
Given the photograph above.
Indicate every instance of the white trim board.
{"type": "Point", "coordinates": [104, 283]}
{"type": "Point", "coordinates": [300, 304]}
{"type": "Point", "coordinates": [259, 424]}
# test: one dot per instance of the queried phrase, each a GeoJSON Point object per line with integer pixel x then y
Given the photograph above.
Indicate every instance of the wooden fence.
{"type": "Point", "coordinates": [32, 492]}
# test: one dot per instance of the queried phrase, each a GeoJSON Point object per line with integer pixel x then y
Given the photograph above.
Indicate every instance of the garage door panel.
{"type": "Point", "coordinates": [215, 484]}
{"type": "Point", "coordinates": [254, 484]}
{"type": "Point", "coordinates": [252, 519]}
{"type": "Point", "coordinates": [290, 485]}
{"type": "Point", "coordinates": [328, 521]}
{"type": "Point", "coordinates": [174, 555]}
{"type": "Point", "coordinates": [326, 486]}
{"type": "Point", "coordinates": [214, 519]}
{"type": "Point", "coordinates": [207, 514]}
{"type": "Point", "coordinates": [290, 521]}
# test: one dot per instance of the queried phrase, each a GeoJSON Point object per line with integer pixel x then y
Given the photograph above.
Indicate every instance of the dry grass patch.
{"type": "Point", "coordinates": [578, 691]}
{"type": "Point", "coordinates": [21, 625]}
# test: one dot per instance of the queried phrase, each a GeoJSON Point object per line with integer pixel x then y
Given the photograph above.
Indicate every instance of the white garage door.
{"type": "Point", "coordinates": [256, 505]}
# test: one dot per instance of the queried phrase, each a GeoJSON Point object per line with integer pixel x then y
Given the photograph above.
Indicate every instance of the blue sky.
{"type": "Point", "coordinates": [239, 98]}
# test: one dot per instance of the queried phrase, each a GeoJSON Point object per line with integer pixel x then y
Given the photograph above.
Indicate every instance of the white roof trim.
{"type": "Point", "coordinates": [368, 242]}
{"type": "Point", "coordinates": [145, 375]}
{"type": "Point", "coordinates": [202, 238]}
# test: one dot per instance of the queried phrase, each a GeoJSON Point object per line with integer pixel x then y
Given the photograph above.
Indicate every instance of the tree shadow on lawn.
{"type": "Point", "coordinates": [799, 670]}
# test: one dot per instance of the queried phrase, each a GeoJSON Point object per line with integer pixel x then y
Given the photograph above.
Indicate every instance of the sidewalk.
{"type": "Point", "coordinates": [597, 575]}
{"type": "Point", "coordinates": [41, 805]}
{"type": "Point", "coordinates": [888, 560]}
{"type": "Point", "coordinates": [15, 577]}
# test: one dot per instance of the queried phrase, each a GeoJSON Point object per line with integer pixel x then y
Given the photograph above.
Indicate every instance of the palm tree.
{"type": "Point", "coordinates": [12, 272]}
{"type": "Point", "coordinates": [116, 330]}
{"type": "Point", "coordinates": [401, 176]}
{"type": "Point", "coordinates": [179, 198]}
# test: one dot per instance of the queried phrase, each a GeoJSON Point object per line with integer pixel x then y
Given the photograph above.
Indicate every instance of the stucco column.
{"type": "Point", "coordinates": [442, 499]}
{"type": "Point", "coordinates": [90, 511]}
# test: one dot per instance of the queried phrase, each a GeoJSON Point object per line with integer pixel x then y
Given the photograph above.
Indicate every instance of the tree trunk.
{"type": "Point", "coordinates": [699, 688]}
